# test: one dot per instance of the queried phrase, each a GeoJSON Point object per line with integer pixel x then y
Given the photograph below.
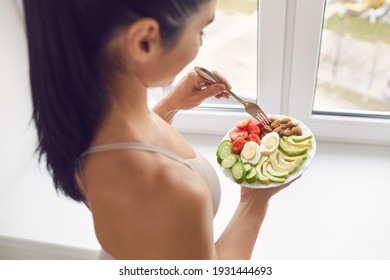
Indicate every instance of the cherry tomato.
{"type": "Point", "coordinates": [238, 134]}
{"type": "Point", "coordinates": [256, 122]}
{"type": "Point", "coordinates": [253, 129]}
{"type": "Point", "coordinates": [238, 145]}
{"type": "Point", "coordinates": [243, 123]}
{"type": "Point", "coordinates": [254, 138]}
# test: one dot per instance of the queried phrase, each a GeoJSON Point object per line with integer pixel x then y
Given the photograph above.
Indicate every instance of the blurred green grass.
{"type": "Point", "coordinates": [237, 6]}
{"type": "Point", "coordinates": [359, 27]}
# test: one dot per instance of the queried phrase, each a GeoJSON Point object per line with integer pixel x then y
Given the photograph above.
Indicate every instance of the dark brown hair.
{"type": "Point", "coordinates": [66, 43]}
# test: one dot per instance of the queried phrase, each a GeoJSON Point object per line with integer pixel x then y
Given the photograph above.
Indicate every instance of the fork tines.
{"type": "Point", "coordinates": [262, 118]}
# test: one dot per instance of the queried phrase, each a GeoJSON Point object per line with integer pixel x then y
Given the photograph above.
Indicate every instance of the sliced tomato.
{"type": "Point", "coordinates": [238, 134]}
{"type": "Point", "coordinates": [254, 138]}
{"type": "Point", "coordinates": [238, 145]}
{"type": "Point", "coordinates": [243, 123]}
{"type": "Point", "coordinates": [256, 122]}
{"type": "Point", "coordinates": [253, 129]}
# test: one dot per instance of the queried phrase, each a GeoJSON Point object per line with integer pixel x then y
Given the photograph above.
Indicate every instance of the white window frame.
{"type": "Point", "coordinates": [289, 43]}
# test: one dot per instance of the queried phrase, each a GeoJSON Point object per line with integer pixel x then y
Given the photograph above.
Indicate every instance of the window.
{"type": "Point", "coordinates": [230, 47]}
{"type": "Point", "coordinates": [354, 64]}
{"type": "Point", "coordinates": [302, 66]}
{"type": "Point", "coordinates": [333, 70]}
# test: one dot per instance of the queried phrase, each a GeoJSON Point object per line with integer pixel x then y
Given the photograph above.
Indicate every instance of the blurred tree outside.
{"type": "Point", "coordinates": [354, 69]}
{"type": "Point", "coordinates": [238, 6]}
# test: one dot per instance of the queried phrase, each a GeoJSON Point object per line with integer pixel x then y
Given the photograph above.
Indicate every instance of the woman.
{"type": "Point", "coordinates": [151, 195]}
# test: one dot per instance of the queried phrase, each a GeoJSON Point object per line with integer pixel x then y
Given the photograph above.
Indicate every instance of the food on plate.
{"type": "Point", "coordinates": [269, 143]}
{"type": "Point", "coordinates": [284, 127]}
{"type": "Point", "coordinates": [257, 154]}
{"type": "Point", "coordinates": [251, 153]}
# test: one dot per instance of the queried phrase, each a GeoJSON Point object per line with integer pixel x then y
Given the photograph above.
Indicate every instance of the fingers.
{"type": "Point", "coordinates": [222, 79]}
{"type": "Point", "coordinates": [222, 95]}
{"type": "Point", "coordinates": [214, 90]}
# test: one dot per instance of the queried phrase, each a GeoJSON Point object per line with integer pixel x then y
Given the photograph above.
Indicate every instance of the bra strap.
{"type": "Point", "coordinates": [134, 146]}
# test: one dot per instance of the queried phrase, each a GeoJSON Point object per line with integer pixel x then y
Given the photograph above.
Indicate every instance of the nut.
{"type": "Point", "coordinates": [275, 123]}
{"type": "Point", "coordinates": [285, 120]}
{"type": "Point", "coordinates": [291, 123]}
{"type": "Point", "coordinates": [267, 128]}
{"type": "Point", "coordinates": [296, 130]}
{"type": "Point", "coordinates": [287, 132]}
{"type": "Point", "coordinates": [272, 119]}
{"type": "Point", "coordinates": [278, 129]}
{"type": "Point", "coordinates": [284, 125]}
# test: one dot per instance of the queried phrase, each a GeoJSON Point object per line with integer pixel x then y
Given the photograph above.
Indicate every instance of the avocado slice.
{"type": "Point", "coordinates": [280, 158]}
{"type": "Point", "coordinates": [301, 138]}
{"type": "Point", "coordinates": [286, 158]}
{"type": "Point", "coordinates": [262, 178]}
{"type": "Point", "coordinates": [291, 150]}
{"type": "Point", "coordinates": [276, 173]}
{"type": "Point", "coordinates": [291, 167]}
{"type": "Point", "coordinates": [268, 175]}
{"type": "Point", "coordinates": [307, 143]}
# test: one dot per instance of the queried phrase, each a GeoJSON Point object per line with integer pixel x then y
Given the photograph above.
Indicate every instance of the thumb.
{"type": "Point", "coordinates": [214, 89]}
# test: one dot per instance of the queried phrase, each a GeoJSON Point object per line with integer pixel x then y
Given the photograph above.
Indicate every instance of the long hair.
{"type": "Point", "coordinates": [67, 42]}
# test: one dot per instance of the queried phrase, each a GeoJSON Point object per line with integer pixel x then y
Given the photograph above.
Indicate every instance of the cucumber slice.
{"type": "Point", "coordinates": [230, 160]}
{"type": "Point", "coordinates": [252, 176]}
{"type": "Point", "coordinates": [238, 172]}
{"type": "Point", "coordinates": [247, 167]}
{"type": "Point", "coordinates": [225, 142]}
{"type": "Point", "coordinates": [224, 149]}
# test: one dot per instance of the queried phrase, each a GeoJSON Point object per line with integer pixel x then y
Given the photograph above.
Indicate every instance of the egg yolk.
{"type": "Point", "coordinates": [248, 153]}
{"type": "Point", "coordinates": [270, 143]}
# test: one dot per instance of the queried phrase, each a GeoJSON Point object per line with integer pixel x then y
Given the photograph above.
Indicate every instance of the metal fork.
{"type": "Point", "coordinates": [252, 109]}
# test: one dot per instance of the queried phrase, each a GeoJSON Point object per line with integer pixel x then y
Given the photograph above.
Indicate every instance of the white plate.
{"type": "Point", "coordinates": [305, 131]}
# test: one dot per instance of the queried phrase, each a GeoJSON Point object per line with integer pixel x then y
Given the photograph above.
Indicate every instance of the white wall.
{"type": "Point", "coordinates": [29, 206]}
{"type": "Point", "coordinates": [339, 209]}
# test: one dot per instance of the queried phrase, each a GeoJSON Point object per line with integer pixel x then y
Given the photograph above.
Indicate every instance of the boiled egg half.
{"type": "Point", "coordinates": [251, 153]}
{"type": "Point", "coordinates": [269, 143]}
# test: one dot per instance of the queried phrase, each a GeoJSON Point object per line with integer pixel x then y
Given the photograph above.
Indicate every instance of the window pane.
{"type": "Point", "coordinates": [230, 47]}
{"type": "Point", "coordinates": [354, 66]}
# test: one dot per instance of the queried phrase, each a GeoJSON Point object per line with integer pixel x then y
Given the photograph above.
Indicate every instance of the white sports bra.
{"type": "Point", "coordinates": [199, 164]}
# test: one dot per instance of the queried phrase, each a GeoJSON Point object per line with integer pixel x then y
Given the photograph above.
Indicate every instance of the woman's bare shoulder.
{"type": "Point", "coordinates": [147, 205]}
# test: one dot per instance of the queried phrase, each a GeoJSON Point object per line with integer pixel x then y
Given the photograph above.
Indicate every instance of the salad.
{"type": "Point", "coordinates": [264, 155]}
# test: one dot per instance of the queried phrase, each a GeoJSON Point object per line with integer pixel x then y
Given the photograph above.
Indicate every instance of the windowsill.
{"type": "Point", "coordinates": [335, 211]}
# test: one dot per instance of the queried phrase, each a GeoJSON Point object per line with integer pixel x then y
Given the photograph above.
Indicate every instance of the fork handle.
{"type": "Point", "coordinates": [211, 78]}
{"type": "Point", "coordinates": [236, 97]}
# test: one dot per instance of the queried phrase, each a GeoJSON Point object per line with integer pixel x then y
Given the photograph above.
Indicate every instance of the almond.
{"type": "Point", "coordinates": [272, 119]}
{"type": "Point", "coordinates": [285, 120]}
{"type": "Point", "coordinates": [267, 128]}
{"type": "Point", "coordinates": [275, 123]}
{"type": "Point", "coordinates": [288, 132]}
{"type": "Point", "coordinates": [278, 129]}
{"type": "Point", "coordinates": [297, 131]}
{"type": "Point", "coordinates": [291, 123]}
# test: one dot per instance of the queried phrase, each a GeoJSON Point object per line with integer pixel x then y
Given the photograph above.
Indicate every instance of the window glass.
{"type": "Point", "coordinates": [354, 64]}
{"type": "Point", "coordinates": [230, 47]}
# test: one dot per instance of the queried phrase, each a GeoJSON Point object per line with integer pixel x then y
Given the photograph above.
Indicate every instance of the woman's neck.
{"type": "Point", "coordinates": [128, 112]}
